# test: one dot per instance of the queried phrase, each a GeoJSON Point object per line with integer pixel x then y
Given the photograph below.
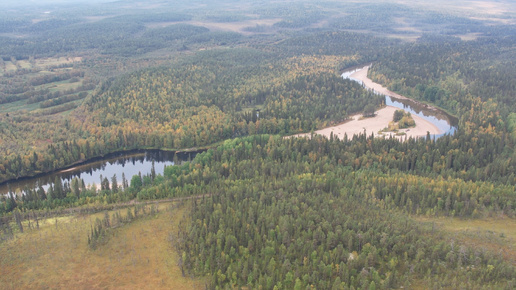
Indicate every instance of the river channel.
{"type": "Point", "coordinates": [127, 163]}
{"type": "Point", "coordinates": [142, 161]}
{"type": "Point", "coordinates": [446, 123]}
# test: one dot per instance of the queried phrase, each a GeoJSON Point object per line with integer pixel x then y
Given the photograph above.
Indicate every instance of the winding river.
{"type": "Point", "coordinates": [142, 161]}
{"type": "Point", "coordinates": [446, 123]}
{"type": "Point", "coordinates": [127, 163]}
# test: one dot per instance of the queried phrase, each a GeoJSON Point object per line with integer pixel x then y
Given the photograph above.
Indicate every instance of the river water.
{"type": "Point", "coordinates": [142, 161]}
{"type": "Point", "coordinates": [442, 120]}
{"type": "Point", "coordinates": [127, 163]}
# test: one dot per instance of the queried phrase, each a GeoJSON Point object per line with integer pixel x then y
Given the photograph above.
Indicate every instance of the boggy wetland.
{"type": "Point", "coordinates": [407, 179]}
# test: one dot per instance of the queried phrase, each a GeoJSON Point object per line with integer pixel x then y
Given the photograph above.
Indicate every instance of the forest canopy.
{"type": "Point", "coordinates": [236, 80]}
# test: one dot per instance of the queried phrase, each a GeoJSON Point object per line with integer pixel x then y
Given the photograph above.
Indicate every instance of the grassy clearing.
{"type": "Point", "coordinates": [21, 107]}
{"type": "Point", "coordinates": [17, 106]}
{"type": "Point", "coordinates": [9, 66]}
{"type": "Point", "coordinates": [56, 61]}
{"type": "Point", "coordinates": [24, 64]}
{"type": "Point", "coordinates": [34, 69]}
{"type": "Point", "coordinates": [137, 255]}
{"type": "Point", "coordinates": [497, 235]}
{"type": "Point", "coordinates": [40, 63]}
{"type": "Point", "coordinates": [250, 109]}
{"type": "Point", "coordinates": [60, 86]}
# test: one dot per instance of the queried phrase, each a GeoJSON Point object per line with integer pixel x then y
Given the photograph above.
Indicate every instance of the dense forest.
{"type": "Point", "coordinates": [279, 218]}
{"type": "Point", "coordinates": [223, 89]}
{"type": "Point", "coordinates": [236, 80]}
{"type": "Point", "coordinates": [268, 196]}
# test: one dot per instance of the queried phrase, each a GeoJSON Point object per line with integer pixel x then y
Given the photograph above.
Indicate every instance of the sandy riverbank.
{"type": "Point", "coordinates": [375, 124]}
{"type": "Point", "coordinates": [362, 76]}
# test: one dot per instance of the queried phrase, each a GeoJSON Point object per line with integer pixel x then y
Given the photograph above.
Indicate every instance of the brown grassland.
{"type": "Point", "coordinates": [493, 234]}
{"type": "Point", "coordinates": [138, 255]}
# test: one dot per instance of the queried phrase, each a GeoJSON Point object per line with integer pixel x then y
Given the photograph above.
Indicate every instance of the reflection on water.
{"type": "Point", "coordinates": [443, 121]}
{"type": "Point", "coordinates": [128, 164]}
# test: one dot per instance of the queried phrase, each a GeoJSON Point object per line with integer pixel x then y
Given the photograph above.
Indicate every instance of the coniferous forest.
{"type": "Point", "coordinates": [258, 207]}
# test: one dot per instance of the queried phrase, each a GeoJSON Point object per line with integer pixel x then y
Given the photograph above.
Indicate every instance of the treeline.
{"type": "Point", "coordinates": [258, 234]}
{"type": "Point", "coordinates": [61, 100]}
{"type": "Point", "coordinates": [452, 73]}
{"type": "Point", "coordinates": [20, 89]}
{"type": "Point", "coordinates": [28, 94]}
{"type": "Point", "coordinates": [45, 95]}
{"type": "Point", "coordinates": [76, 193]}
{"type": "Point", "coordinates": [56, 109]}
{"type": "Point", "coordinates": [393, 180]}
{"type": "Point", "coordinates": [197, 101]}
{"type": "Point", "coordinates": [50, 78]}
{"type": "Point", "coordinates": [120, 36]}
{"type": "Point", "coordinates": [288, 213]}
{"type": "Point", "coordinates": [421, 192]}
{"type": "Point", "coordinates": [101, 231]}
{"type": "Point", "coordinates": [295, 212]}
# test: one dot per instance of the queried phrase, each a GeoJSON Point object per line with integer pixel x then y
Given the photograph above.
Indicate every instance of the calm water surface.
{"type": "Point", "coordinates": [442, 120]}
{"type": "Point", "coordinates": [129, 164]}
{"type": "Point", "coordinates": [142, 161]}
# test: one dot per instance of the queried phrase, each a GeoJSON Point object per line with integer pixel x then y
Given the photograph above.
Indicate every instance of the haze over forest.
{"type": "Point", "coordinates": [299, 172]}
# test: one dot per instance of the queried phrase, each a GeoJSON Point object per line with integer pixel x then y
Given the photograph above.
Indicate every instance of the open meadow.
{"type": "Point", "coordinates": [138, 254]}
{"type": "Point", "coordinates": [494, 234]}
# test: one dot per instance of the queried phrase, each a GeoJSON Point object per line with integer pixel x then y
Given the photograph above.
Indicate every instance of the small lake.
{"type": "Point", "coordinates": [442, 120]}
{"type": "Point", "coordinates": [127, 163]}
